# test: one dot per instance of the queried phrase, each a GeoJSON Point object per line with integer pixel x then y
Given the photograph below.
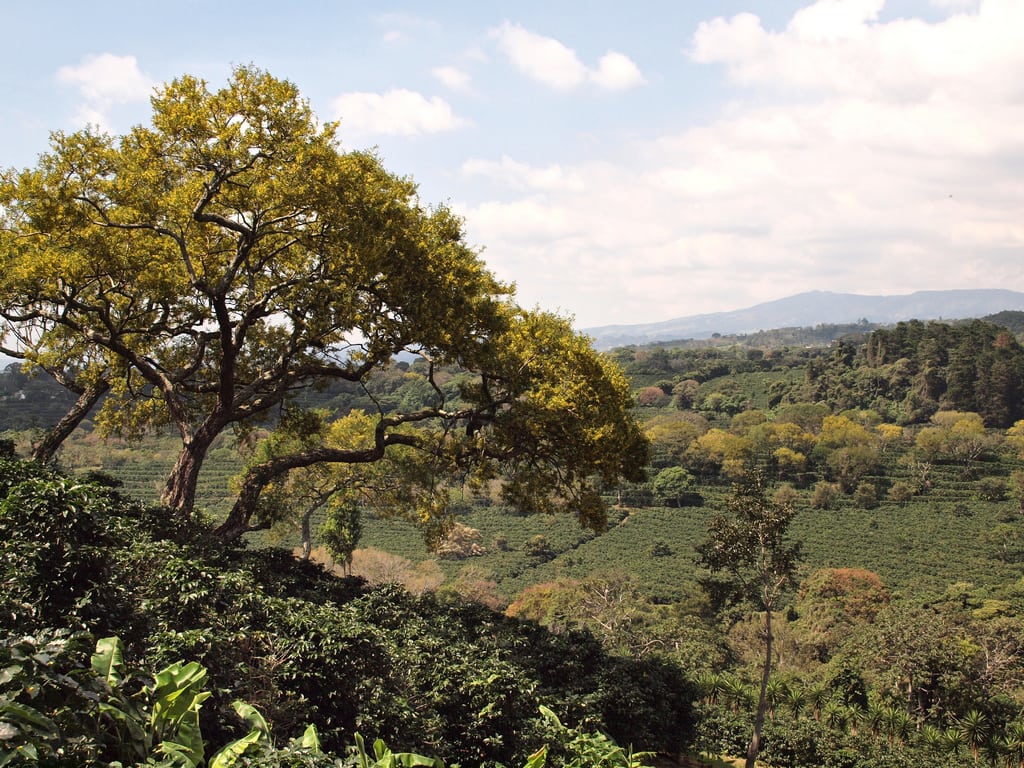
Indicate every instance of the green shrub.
{"type": "Point", "coordinates": [992, 489]}
{"type": "Point", "coordinates": [304, 647]}
{"type": "Point", "coordinates": [54, 542]}
{"type": "Point", "coordinates": [866, 495]}
{"type": "Point", "coordinates": [901, 492]}
{"type": "Point", "coordinates": [825, 495]}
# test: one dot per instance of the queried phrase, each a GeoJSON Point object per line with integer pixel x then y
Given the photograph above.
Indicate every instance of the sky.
{"type": "Point", "coordinates": [620, 163]}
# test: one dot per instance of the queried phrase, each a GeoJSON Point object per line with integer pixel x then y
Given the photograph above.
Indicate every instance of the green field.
{"type": "Point", "coordinates": [919, 546]}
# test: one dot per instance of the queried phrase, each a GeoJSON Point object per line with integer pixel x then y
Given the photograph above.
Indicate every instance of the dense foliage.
{"type": "Point", "coordinates": [79, 562]}
{"type": "Point", "coordinates": [905, 373]}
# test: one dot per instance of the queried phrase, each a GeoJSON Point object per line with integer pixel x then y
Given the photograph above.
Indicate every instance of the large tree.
{"type": "Point", "coordinates": [230, 253]}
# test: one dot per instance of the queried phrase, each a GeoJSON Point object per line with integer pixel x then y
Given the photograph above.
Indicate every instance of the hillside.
{"type": "Point", "coordinates": [684, 392]}
{"type": "Point", "coordinates": [811, 309]}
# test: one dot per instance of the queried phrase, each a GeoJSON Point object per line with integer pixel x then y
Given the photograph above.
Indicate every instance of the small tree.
{"type": "Point", "coordinates": [992, 489]}
{"type": "Point", "coordinates": [750, 558]}
{"type": "Point", "coordinates": [825, 495]}
{"type": "Point", "coordinates": [673, 485]}
{"type": "Point", "coordinates": [866, 494]}
{"type": "Point", "coordinates": [1017, 486]}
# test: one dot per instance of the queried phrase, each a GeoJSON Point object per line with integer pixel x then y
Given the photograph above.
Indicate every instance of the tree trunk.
{"type": "Point", "coordinates": [55, 437]}
{"type": "Point", "coordinates": [237, 521]}
{"type": "Point", "coordinates": [755, 740]}
{"type": "Point", "coordinates": [307, 533]}
{"type": "Point", "coordinates": [180, 491]}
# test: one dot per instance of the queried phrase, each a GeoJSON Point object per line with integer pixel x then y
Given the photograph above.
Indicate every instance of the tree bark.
{"type": "Point", "coordinates": [755, 740]}
{"type": "Point", "coordinates": [257, 478]}
{"type": "Point", "coordinates": [180, 491]}
{"type": "Point", "coordinates": [307, 533]}
{"type": "Point", "coordinates": [55, 436]}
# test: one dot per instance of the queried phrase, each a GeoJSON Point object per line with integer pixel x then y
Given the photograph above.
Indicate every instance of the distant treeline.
{"type": "Point", "coordinates": [905, 373]}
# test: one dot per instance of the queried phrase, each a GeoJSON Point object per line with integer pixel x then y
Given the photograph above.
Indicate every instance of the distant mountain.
{"type": "Point", "coordinates": [815, 308]}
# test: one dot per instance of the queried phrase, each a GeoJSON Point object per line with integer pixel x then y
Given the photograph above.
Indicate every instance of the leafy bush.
{"type": "Point", "coordinates": [825, 495]}
{"type": "Point", "coordinates": [55, 537]}
{"type": "Point", "coordinates": [901, 492]}
{"type": "Point", "coordinates": [992, 489]}
{"type": "Point", "coordinates": [866, 495]}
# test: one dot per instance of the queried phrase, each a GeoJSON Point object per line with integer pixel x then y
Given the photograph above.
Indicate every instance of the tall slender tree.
{"type": "Point", "coordinates": [750, 558]}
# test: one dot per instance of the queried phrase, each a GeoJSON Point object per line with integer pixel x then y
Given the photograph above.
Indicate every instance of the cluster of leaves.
{"type": "Point", "coordinates": [102, 715]}
{"type": "Point", "coordinates": [813, 725]}
{"type": "Point", "coordinates": [58, 710]}
{"type": "Point", "coordinates": [862, 678]}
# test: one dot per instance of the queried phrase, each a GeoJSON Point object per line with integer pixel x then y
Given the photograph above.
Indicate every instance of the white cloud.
{"type": "Point", "coordinates": [543, 59]}
{"type": "Point", "coordinates": [616, 71]}
{"type": "Point", "coordinates": [522, 176]}
{"type": "Point", "coordinates": [398, 112]}
{"type": "Point", "coordinates": [897, 168]}
{"type": "Point", "coordinates": [103, 81]}
{"type": "Point", "coordinates": [528, 221]}
{"type": "Point", "coordinates": [452, 78]}
{"type": "Point", "coordinates": [838, 47]}
{"type": "Point", "coordinates": [554, 64]}
{"type": "Point", "coordinates": [956, 5]}
{"type": "Point", "coordinates": [832, 20]}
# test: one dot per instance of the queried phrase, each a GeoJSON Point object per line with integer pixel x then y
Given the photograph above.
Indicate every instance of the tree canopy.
{"type": "Point", "coordinates": [208, 266]}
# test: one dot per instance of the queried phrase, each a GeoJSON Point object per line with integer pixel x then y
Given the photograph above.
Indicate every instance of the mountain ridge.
{"type": "Point", "coordinates": [812, 308]}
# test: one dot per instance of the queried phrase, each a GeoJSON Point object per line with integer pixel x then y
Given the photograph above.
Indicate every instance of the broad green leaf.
{"type": "Point", "coordinates": [177, 691]}
{"type": "Point", "coordinates": [108, 660]}
{"type": "Point", "coordinates": [126, 714]}
{"type": "Point", "coordinates": [229, 754]}
{"type": "Point", "coordinates": [252, 716]}
{"type": "Point", "coordinates": [19, 753]}
{"type": "Point", "coordinates": [311, 739]}
{"type": "Point", "coordinates": [180, 755]}
{"type": "Point", "coordinates": [538, 758]}
{"type": "Point", "coordinates": [13, 712]}
{"type": "Point", "coordinates": [550, 716]}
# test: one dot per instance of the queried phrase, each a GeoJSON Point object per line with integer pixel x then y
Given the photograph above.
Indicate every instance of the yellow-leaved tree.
{"type": "Point", "coordinates": [209, 265]}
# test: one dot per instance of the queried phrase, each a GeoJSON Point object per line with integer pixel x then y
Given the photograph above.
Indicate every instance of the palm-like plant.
{"type": "Point", "coordinates": [710, 686]}
{"type": "Point", "coordinates": [836, 714]}
{"type": "Point", "coordinates": [897, 724]}
{"type": "Point", "coordinates": [854, 717]}
{"type": "Point", "coordinates": [1013, 743]}
{"type": "Point", "coordinates": [816, 695]}
{"type": "Point", "coordinates": [774, 693]}
{"type": "Point", "coordinates": [975, 729]}
{"type": "Point", "coordinates": [953, 739]}
{"type": "Point", "coordinates": [932, 738]}
{"type": "Point", "coordinates": [737, 693]}
{"type": "Point", "coordinates": [794, 699]}
{"type": "Point", "coordinates": [874, 717]}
